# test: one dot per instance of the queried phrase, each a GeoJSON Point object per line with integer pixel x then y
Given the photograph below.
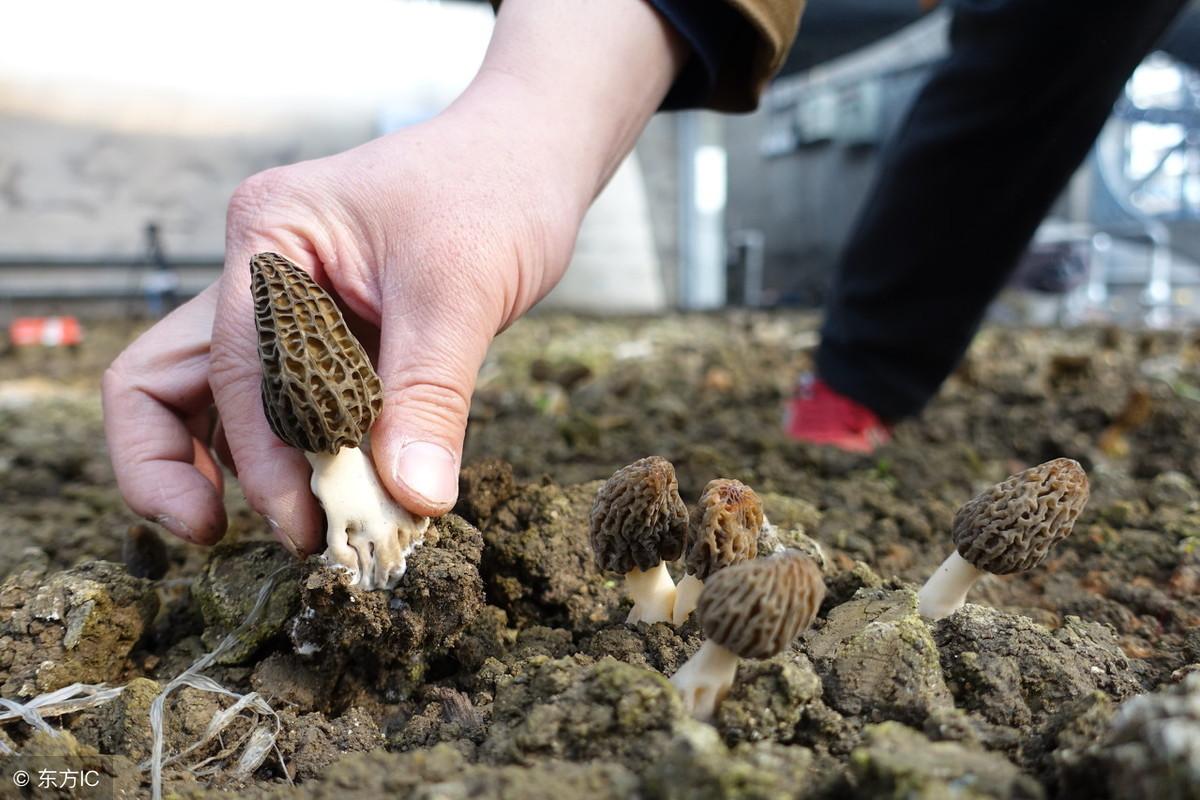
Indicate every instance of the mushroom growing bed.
{"type": "Point", "coordinates": [501, 664]}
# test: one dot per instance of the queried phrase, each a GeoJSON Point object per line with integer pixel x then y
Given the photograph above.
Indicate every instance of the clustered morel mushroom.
{"type": "Point", "coordinates": [322, 395]}
{"type": "Point", "coordinates": [750, 610]}
{"type": "Point", "coordinates": [723, 531]}
{"type": "Point", "coordinates": [1008, 528]}
{"type": "Point", "coordinates": [638, 523]}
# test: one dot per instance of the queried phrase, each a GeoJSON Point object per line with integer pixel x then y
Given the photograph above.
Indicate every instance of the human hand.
{"type": "Point", "coordinates": [433, 238]}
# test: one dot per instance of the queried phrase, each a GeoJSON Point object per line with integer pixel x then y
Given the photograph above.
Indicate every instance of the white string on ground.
{"type": "Point", "coordinates": [66, 700]}
{"type": "Point", "coordinates": [258, 746]}
{"type": "Point", "coordinates": [259, 739]}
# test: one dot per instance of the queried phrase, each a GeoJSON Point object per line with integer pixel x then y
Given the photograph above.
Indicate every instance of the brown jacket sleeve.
{"type": "Point", "coordinates": [757, 54]}
{"type": "Point", "coordinates": [752, 53]}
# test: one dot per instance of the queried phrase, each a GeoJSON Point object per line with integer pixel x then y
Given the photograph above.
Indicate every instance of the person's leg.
{"type": "Point", "coordinates": [989, 143]}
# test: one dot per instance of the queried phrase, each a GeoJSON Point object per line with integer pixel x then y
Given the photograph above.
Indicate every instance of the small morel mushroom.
{"type": "Point", "coordinates": [322, 395]}
{"type": "Point", "coordinates": [750, 610]}
{"type": "Point", "coordinates": [723, 530]}
{"type": "Point", "coordinates": [1008, 528]}
{"type": "Point", "coordinates": [637, 524]}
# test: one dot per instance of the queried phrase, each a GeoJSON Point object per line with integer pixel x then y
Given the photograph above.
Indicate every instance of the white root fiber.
{"type": "Point", "coordinates": [255, 741]}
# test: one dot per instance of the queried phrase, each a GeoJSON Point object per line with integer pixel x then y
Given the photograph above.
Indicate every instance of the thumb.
{"type": "Point", "coordinates": [429, 357]}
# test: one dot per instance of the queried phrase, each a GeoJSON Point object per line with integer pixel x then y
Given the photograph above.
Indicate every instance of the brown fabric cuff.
{"type": "Point", "coordinates": [750, 55]}
{"type": "Point", "coordinates": [756, 54]}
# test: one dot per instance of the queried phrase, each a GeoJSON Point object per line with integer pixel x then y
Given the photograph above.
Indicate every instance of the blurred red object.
{"type": "Point", "coordinates": [45, 331]}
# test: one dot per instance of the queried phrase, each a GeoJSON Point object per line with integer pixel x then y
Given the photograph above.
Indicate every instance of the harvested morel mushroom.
{"type": "Point", "coordinates": [1008, 528]}
{"type": "Point", "coordinates": [637, 524]}
{"type": "Point", "coordinates": [723, 531]}
{"type": "Point", "coordinates": [750, 610]}
{"type": "Point", "coordinates": [321, 395]}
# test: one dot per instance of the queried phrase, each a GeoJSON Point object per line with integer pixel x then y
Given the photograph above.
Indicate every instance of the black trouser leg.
{"type": "Point", "coordinates": [990, 142]}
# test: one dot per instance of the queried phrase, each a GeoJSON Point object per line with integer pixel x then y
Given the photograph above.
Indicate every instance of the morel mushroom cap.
{"type": "Point", "coordinates": [1010, 527]}
{"type": "Point", "coordinates": [639, 520]}
{"type": "Point", "coordinates": [755, 609]}
{"type": "Point", "coordinates": [319, 390]}
{"type": "Point", "coordinates": [723, 529]}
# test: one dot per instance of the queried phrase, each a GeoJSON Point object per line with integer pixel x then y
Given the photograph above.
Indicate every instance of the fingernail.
{"type": "Point", "coordinates": [430, 471]}
{"type": "Point", "coordinates": [283, 537]}
{"type": "Point", "coordinates": [175, 526]}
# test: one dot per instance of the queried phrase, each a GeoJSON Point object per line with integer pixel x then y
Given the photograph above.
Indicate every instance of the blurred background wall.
{"type": "Point", "coordinates": [142, 112]}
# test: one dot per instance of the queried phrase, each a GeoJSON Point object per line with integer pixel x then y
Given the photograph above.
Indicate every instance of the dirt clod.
{"type": "Point", "coordinates": [73, 626]}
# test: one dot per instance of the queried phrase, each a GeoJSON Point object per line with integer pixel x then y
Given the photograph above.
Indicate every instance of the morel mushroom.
{"type": "Point", "coordinates": [750, 610]}
{"type": "Point", "coordinates": [723, 531]}
{"type": "Point", "coordinates": [638, 523]}
{"type": "Point", "coordinates": [321, 395]}
{"type": "Point", "coordinates": [1008, 528]}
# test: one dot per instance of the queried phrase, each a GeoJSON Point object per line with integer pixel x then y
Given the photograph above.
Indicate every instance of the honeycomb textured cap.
{"type": "Point", "coordinates": [723, 529]}
{"type": "Point", "coordinates": [1011, 526]}
{"type": "Point", "coordinates": [319, 389]}
{"type": "Point", "coordinates": [638, 518]}
{"type": "Point", "coordinates": [757, 608]}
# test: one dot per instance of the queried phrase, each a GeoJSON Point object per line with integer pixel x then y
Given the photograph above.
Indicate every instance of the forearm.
{"type": "Point", "coordinates": [586, 76]}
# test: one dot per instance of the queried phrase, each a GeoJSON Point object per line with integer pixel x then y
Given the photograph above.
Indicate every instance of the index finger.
{"type": "Point", "coordinates": [149, 393]}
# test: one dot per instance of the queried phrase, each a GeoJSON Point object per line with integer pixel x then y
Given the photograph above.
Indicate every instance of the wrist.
{"type": "Point", "coordinates": [577, 82]}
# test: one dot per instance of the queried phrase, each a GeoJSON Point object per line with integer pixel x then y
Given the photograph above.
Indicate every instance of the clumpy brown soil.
{"type": "Point", "coordinates": [501, 665]}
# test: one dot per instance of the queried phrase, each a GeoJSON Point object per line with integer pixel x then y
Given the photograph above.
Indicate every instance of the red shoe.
{"type": "Point", "coordinates": [817, 414]}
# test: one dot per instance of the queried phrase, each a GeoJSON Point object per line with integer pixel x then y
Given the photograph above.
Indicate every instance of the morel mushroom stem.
{"type": "Point", "coordinates": [365, 525]}
{"type": "Point", "coordinates": [653, 594]}
{"type": "Point", "coordinates": [750, 610]}
{"type": "Point", "coordinates": [946, 590]}
{"type": "Point", "coordinates": [687, 595]}
{"type": "Point", "coordinates": [705, 679]}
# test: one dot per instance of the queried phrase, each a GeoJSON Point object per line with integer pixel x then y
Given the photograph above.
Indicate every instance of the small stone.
{"type": "Point", "coordinates": [309, 743]}
{"type": "Point", "coordinates": [877, 658]}
{"type": "Point", "coordinates": [768, 699]}
{"type": "Point", "coordinates": [293, 680]}
{"type": "Point", "coordinates": [1171, 489]}
{"type": "Point", "coordinates": [1015, 672]}
{"type": "Point", "coordinates": [898, 763]}
{"type": "Point", "coordinates": [773, 539]}
{"type": "Point", "coordinates": [74, 626]}
{"type": "Point", "coordinates": [443, 773]}
{"type": "Point", "coordinates": [696, 765]}
{"type": "Point", "coordinates": [1154, 747]}
{"type": "Point", "coordinates": [539, 566]}
{"type": "Point", "coordinates": [790, 513]}
{"type": "Point", "coordinates": [228, 587]}
{"type": "Point", "coordinates": [122, 725]}
{"type": "Point", "coordinates": [1069, 750]}
{"type": "Point", "coordinates": [571, 709]}
{"type": "Point", "coordinates": [842, 586]}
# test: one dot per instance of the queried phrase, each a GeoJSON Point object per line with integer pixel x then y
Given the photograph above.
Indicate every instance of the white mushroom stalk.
{"type": "Point", "coordinates": [1008, 528]}
{"type": "Point", "coordinates": [946, 590]}
{"type": "Point", "coordinates": [652, 592]}
{"type": "Point", "coordinates": [750, 610]}
{"type": "Point", "coordinates": [638, 524]}
{"type": "Point", "coordinates": [687, 595]}
{"type": "Point", "coordinates": [367, 533]}
{"type": "Point", "coordinates": [321, 395]}
{"type": "Point", "coordinates": [705, 679]}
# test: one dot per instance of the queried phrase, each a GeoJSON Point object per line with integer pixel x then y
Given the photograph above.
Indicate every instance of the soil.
{"type": "Point", "coordinates": [501, 665]}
